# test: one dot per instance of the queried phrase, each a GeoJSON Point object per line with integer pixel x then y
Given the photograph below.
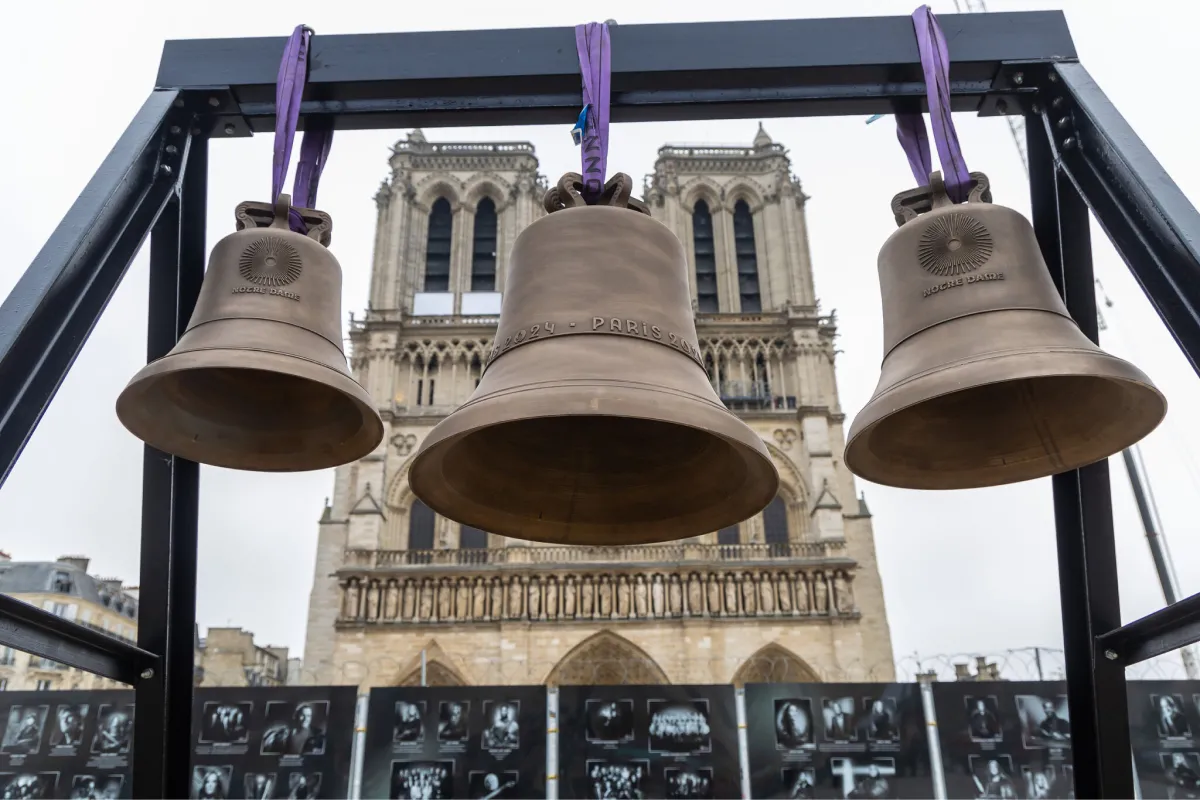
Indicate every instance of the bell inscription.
{"type": "Point", "coordinates": [596, 324]}
{"type": "Point", "coordinates": [941, 287]}
{"type": "Point", "coordinates": [260, 290]}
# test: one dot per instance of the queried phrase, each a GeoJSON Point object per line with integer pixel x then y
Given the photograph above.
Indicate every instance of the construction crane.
{"type": "Point", "coordinates": [1135, 467]}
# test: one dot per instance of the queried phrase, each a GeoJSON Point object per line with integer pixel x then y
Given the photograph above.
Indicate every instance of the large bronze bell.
{"type": "Point", "coordinates": [986, 378]}
{"type": "Point", "coordinates": [258, 381]}
{"type": "Point", "coordinates": [594, 421]}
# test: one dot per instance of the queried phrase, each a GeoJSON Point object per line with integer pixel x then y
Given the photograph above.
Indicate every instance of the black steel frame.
{"type": "Point", "coordinates": [1083, 156]}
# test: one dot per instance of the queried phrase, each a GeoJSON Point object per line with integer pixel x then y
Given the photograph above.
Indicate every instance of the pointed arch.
{"type": "Point", "coordinates": [701, 188]}
{"type": "Point", "coordinates": [440, 669]}
{"type": "Point", "coordinates": [774, 664]}
{"type": "Point", "coordinates": [606, 659]}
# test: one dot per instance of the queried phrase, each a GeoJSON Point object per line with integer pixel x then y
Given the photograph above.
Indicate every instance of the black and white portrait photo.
{"type": "Point", "coordinates": [993, 776]}
{"type": "Point", "coordinates": [225, 723]}
{"type": "Point", "coordinates": [452, 721]}
{"type": "Point", "coordinates": [1168, 712]}
{"type": "Point", "coordinates": [881, 720]}
{"type": "Point", "coordinates": [23, 735]}
{"type": "Point", "coordinates": [501, 730]}
{"type": "Point", "coordinates": [28, 784]}
{"type": "Point", "coordinates": [114, 728]}
{"type": "Point", "coordinates": [295, 729]}
{"type": "Point", "coordinates": [409, 727]}
{"type": "Point", "coordinates": [800, 783]}
{"type": "Point", "coordinates": [793, 723]}
{"type": "Point", "coordinates": [864, 776]}
{"type": "Point", "coordinates": [983, 718]}
{"type": "Point", "coordinates": [259, 785]}
{"type": "Point", "coordinates": [609, 780]}
{"type": "Point", "coordinates": [1181, 774]}
{"type": "Point", "coordinates": [689, 782]}
{"type": "Point", "coordinates": [211, 783]}
{"type": "Point", "coordinates": [1050, 782]}
{"type": "Point", "coordinates": [97, 787]}
{"type": "Point", "coordinates": [1044, 720]}
{"type": "Point", "coordinates": [609, 721]}
{"type": "Point", "coordinates": [679, 726]}
{"type": "Point", "coordinates": [67, 728]}
{"type": "Point", "coordinates": [303, 785]}
{"type": "Point", "coordinates": [838, 715]}
{"type": "Point", "coordinates": [486, 784]}
{"type": "Point", "coordinates": [422, 780]}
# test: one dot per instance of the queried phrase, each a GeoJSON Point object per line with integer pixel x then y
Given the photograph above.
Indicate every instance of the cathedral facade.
{"type": "Point", "coordinates": [400, 592]}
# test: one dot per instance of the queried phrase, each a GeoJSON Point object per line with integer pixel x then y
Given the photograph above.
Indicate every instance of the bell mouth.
{"type": "Point", "coordinates": [1003, 432]}
{"type": "Point", "coordinates": [269, 413]}
{"type": "Point", "coordinates": [594, 479]}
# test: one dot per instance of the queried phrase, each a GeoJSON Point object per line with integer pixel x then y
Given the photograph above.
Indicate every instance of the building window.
{"type": "Point", "coordinates": [437, 247]}
{"type": "Point", "coordinates": [472, 538]}
{"type": "Point", "coordinates": [747, 261]}
{"type": "Point", "coordinates": [62, 582]}
{"type": "Point", "coordinates": [775, 527]}
{"type": "Point", "coordinates": [8, 656]}
{"type": "Point", "coordinates": [420, 527]}
{"type": "Point", "coordinates": [483, 257]}
{"type": "Point", "coordinates": [426, 383]}
{"type": "Point", "coordinates": [44, 685]}
{"type": "Point", "coordinates": [727, 536]}
{"type": "Point", "coordinates": [706, 259]}
{"type": "Point", "coordinates": [476, 370]}
{"type": "Point", "coordinates": [3, 684]}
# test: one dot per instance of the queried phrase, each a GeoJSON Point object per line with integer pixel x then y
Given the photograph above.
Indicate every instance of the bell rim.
{"type": "Point", "coordinates": [877, 410]}
{"type": "Point", "coordinates": [143, 384]}
{"type": "Point", "coordinates": [750, 447]}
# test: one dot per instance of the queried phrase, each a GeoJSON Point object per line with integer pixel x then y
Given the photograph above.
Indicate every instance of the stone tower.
{"type": "Point", "coordinates": [790, 594]}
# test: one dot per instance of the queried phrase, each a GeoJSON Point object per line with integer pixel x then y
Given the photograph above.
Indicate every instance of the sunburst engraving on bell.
{"type": "Point", "coordinates": [954, 245]}
{"type": "Point", "coordinates": [270, 261]}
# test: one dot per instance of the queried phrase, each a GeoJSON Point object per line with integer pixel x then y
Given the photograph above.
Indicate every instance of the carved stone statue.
{"type": "Point", "coordinates": [516, 599]}
{"type": "Point", "coordinates": [569, 598]}
{"type": "Point", "coordinates": [623, 599]}
{"type": "Point", "coordinates": [409, 604]}
{"type": "Point", "coordinates": [479, 600]}
{"type": "Point", "coordinates": [802, 595]}
{"type": "Point", "coordinates": [766, 594]}
{"type": "Point", "coordinates": [445, 599]}
{"type": "Point", "coordinates": [674, 596]}
{"type": "Point", "coordinates": [552, 598]}
{"type": "Point", "coordinates": [695, 595]}
{"type": "Point", "coordinates": [462, 600]}
{"type": "Point", "coordinates": [820, 593]}
{"type": "Point", "coordinates": [749, 600]}
{"type": "Point", "coordinates": [391, 600]}
{"type": "Point", "coordinates": [587, 597]}
{"type": "Point", "coordinates": [350, 609]}
{"type": "Point", "coordinates": [714, 594]}
{"type": "Point", "coordinates": [842, 595]}
{"type": "Point", "coordinates": [535, 598]}
{"type": "Point", "coordinates": [606, 599]}
{"type": "Point", "coordinates": [496, 611]}
{"type": "Point", "coordinates": [641, 597]}
{"type": "Point", "coordinates": [783, 591]}
{"type": "Point", "coordinates": [657, 596]}
{"type": "Point", "coordinates": [426, 610]}
{"type": "Point", "coordinates": [373, 601]}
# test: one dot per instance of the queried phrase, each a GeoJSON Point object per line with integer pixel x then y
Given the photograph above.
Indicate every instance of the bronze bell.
{"type": "Point", "coordinates": [259, 381]}
{"type": "Point", "coordinates": [594, 421]}
{"type": "Point", "coordinates": [987, 380]}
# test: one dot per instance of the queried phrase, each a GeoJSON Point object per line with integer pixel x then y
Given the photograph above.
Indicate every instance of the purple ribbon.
{"type": "Point", "coordinates": [595, 62]}
{"type": "Point", "coordinates": [910, 128]}
{"type": "Point", "coordinates": [314, 149]}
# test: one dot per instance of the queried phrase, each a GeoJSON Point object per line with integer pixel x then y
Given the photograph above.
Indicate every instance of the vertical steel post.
{"type": "Point", "coordinates": [170, 506]}
{"type": "Point", "coordinates": [1087, 562]}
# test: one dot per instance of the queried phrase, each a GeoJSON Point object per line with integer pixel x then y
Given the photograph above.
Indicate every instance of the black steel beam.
{"type": "Point", "coordinates": [1087, 562]}
{"type": "Point", "coordinates": [1166, 630]}
{"type": "Point", "coordinates": [50, 313]}
{"type": "Point", "coordinates": [170, 506]}
{"type": "Point", "coordinates": [32, 630]}
{"type": "Point", "coordinates": [679, 71]}
{"type": "Point", "coordinates": [1152, 224]}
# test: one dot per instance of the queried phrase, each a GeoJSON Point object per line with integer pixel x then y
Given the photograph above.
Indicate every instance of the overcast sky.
{"type": "Point", "coordinates": [970, 571]}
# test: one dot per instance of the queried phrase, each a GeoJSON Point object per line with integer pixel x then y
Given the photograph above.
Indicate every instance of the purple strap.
{"type": "Point", "coordinates": [910, 128]}
{"type": "Point", "coordinates": [314, 149]}
{"type": "Point", "coordinates": [595, 62]}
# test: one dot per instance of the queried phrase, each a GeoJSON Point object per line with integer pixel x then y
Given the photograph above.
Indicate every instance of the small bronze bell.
{"type": "Point", "coordinates": [594, 421]}
{"type": "Point", "coordinates": [986, 379]}
{"type": "Point", "coordinates": [259, 381]}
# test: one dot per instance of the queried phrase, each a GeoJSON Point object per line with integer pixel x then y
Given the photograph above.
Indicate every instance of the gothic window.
{"type": "Point", "coordinates": [747, 260]}
{"type": "Point", "coordinates": [476, 369]}
{"type": "Point", "coordinates": [775, 526]}
{"type": "Point", "coordinates": [425, 380]}
{"type": "Point", "coordinates": [706, 259]}
{"type": "Point", "coordinates": [472, 538]}
{"type": "Point", "coordinates": [437, 247]}
{"type": "Point", "coordinates": [728, 535]}
{"type": "Point", "coordinates": [762, 387]}
{"type": "Point", "coordinates": [483, 259]}
{"type": "Point", "coordinates": [420, 527]}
